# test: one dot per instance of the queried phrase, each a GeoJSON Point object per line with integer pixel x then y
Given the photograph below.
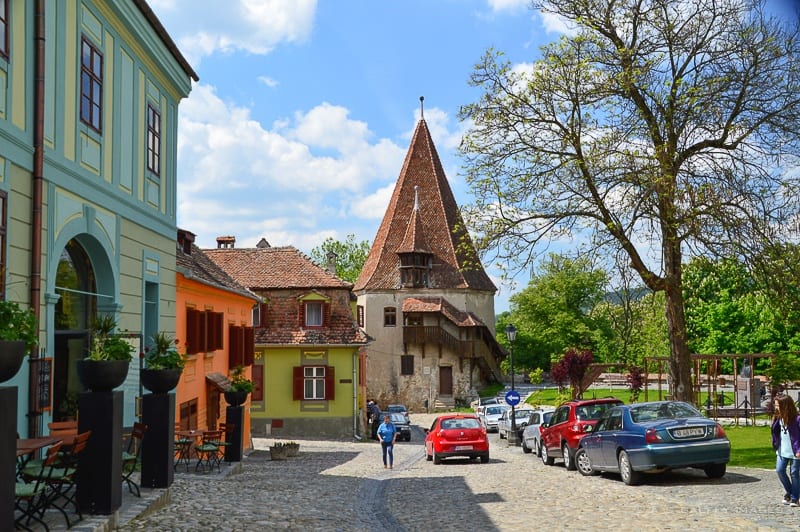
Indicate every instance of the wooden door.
{"type": "Point", "coordinates": [445, 380]}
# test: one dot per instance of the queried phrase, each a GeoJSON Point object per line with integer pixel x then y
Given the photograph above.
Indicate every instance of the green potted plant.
{"type": "Point", "coordinates": [110, 354]}
{"type": "Point", "coordinates": [163, 364]}
{"type": "Point", "coordinates": [239, 388]}
{"type": "Point", "coordinates": [19, 333]}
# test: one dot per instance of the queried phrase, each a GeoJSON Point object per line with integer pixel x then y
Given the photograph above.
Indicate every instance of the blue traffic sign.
{"type": "Point", "coordinates": [512, 397]}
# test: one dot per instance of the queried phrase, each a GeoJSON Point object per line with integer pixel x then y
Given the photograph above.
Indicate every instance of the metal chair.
{"type": "Point", "coordinates": [182, 449]}
{"type": "Point", "coordinates": [227, 429]}
{"type": "Point", "coordinates": [30, 498]}
{"type": "Point", "coordinates": [131, 456]}
{"type": "Point", "coordinates": [208, 451]}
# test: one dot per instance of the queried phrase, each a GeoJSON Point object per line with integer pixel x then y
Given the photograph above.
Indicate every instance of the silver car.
{"type": "Point", "coordinates": [531, 437]}
{"type": "Point", "coordinates": [491, 414]}
{"type": "Point", "coordinates": [521, 421]}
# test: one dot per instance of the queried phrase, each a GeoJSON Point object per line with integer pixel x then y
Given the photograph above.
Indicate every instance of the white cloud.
{"type": "Point", "coordinates": [252, 26]}
{"type": "Point", "coordinates": [508, 5]}
{"type": "Point", "coordinates": [553, 23]}
{"type": "Point", "coordinates": [268, 81]}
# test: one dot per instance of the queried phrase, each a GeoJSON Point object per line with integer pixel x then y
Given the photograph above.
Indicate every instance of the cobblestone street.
{"type": "Point", "coordinates": [343, 486]}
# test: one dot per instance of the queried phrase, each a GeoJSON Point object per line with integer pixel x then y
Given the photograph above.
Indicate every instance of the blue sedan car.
{"type": "Point", "coordinates": [653, 437]}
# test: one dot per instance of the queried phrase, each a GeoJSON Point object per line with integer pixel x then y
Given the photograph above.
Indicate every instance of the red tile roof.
{"type": "Point", "coordinates": [438, 226]}
{"type": "Point", "coordinates": [197, 266]}
{"type": "Point", "coordinates": [274, 267]}
{"type": "Point", "coordinates": [441, 305]}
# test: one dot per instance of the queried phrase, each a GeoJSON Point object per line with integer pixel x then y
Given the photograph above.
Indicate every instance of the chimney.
{"type": "Point", "coordinates": [225, 242]}
{"type": "Point", "coordinates": [331, 257]}
{"type": "Point", "coordinates": [185, 241]}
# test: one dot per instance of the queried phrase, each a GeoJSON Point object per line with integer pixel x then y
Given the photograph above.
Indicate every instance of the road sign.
{"type": "Point", "coordinates": [512, 398]}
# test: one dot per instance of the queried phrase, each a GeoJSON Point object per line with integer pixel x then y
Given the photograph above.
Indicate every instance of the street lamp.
{"type": "Point", "coordinates": [511, 335]}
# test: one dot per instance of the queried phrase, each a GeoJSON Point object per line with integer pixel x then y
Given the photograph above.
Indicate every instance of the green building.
{"type": "Point", "coordinates": [89, 94]}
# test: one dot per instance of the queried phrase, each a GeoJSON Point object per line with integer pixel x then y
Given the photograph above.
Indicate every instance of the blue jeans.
{"type": "Point", "coordinates": [792, 486]}
{"type": "Point", "coordinates": [387, 448]}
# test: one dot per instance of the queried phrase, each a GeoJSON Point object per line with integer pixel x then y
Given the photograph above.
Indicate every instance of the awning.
{"type": "Point", "coordinates": [219, 380]}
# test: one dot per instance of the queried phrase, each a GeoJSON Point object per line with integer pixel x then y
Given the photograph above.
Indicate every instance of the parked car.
{"type": "Point", "coordinates": [401, 409]}
{"type": "Point", "coordinates": [570, 422]}
{"type": "Point", "coordinates": [491, 414]}
{"type": "Point", "coordinates": [531, 435]}
{"type": "Point", "coordinates": [654, 437]}
{"type": "Point", "coordinates": [401, 422]}
{"type": "Point", "coordinates": [504, 424]}
{"type": "Point", "coordinates": [456, 435]}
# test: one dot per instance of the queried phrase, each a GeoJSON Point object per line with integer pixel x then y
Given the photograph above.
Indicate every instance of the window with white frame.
{"type": "Point", "coordinates": [314, 382]}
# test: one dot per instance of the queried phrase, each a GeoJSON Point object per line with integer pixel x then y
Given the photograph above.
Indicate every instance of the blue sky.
{"type": "Point", "coordinates": [304, 111]}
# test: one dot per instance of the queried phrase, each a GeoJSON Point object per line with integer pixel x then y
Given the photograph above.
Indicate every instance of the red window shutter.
{"type": "Point", "coordinates": [297, 383]}
{"type": "Point", "coordinates": [249, 346]}
{"type": "Point", "coordinates": [258, 384]}
{"type": "Point", "coordinates": [326, 314]}
{"type": "Point", "coordinates": [234, 346]}
{"type": "Point", "coordinates": [301, 314]}
{"type": "Point", "coordinates": [192, 331]}
{"type": "Point", "coordinates": [202, 332]}
{"type": "Point", "coordinates": [330, 381]}
{"type": "Point", "coordinates": [263, 315]}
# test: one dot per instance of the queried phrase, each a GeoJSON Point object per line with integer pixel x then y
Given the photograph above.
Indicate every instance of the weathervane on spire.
{"type": "Point", "coordinates": [422, 107]}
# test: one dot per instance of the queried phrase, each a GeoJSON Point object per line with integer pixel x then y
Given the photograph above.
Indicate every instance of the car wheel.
{"type": "Point", "coordinates": [525, 448]}
{"type": "Point", "coordinates": [537, 448]}
{"type": "Point", "coordinates": [546, 460]}
{"type": "Point", "coordinates": [715, 470]}
{"type": "Point", "coordinates": [436, 458]}
{"type": "Point", "coordinates": [427, 456]}
{"type": "Point", "coordinates": [583, 463]}
{"type": "Point", "coordinates": [485, 459]}
{"type": "Point", "coordinates": [629, 476]}
{"type": "Point", "coordinates": [569, 460]}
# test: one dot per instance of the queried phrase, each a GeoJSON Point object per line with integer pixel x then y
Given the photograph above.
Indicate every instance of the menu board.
{"type": "Point", "coordinates": [43, 369]}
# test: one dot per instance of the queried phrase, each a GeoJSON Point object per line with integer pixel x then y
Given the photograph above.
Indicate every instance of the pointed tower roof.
{"type": "Point", "coordinates": [434, 226]}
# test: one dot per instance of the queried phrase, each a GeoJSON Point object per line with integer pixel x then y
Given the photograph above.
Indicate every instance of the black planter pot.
{"type": "Point", "coordinates": [235, 398]}
{"type": "Point", "coordinates": [160, 380]}
{"type": "Point", "coordinates": [12, 352]}
{"type": "Point", "coordinates": [102, 375]}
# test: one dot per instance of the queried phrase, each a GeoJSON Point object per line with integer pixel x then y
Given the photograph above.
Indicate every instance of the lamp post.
{"type": "Point", "coordinates": [511, 335]}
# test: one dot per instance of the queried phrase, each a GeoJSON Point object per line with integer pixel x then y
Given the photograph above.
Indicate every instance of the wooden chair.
{"type": "Point", "coordinates": [208, 451]}
{"type": "Point", "coordinates": [227, 430]}
{"type": "Point", "coordinates": [31, 498]}
{"type": "Point", "coordinates": [63, 428]}
{"type": "Point", "coordinates": [131, 456]}
{"type": "Point", "coordinates": [61, 478]}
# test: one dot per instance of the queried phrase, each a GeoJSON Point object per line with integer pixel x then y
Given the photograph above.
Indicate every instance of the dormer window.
{"type": "Point", "coordinates": [415, 270]}
{"type": "Point", "coordinates": [314, 310]}
{"type": "Point", "coordinates": [313, 313]}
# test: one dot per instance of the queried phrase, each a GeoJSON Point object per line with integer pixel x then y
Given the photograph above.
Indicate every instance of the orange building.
{"type": "Point", "coordinates": [213, 326]}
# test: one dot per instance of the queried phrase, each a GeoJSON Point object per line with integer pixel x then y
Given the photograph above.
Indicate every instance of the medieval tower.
{"type": "Point", "coordinates": [423, 295]}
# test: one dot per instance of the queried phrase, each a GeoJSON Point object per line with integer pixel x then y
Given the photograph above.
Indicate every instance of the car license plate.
{"type": "Point", "coordinates": [463, 447]}
{"type": "Point", "coordinates": [687, 433]}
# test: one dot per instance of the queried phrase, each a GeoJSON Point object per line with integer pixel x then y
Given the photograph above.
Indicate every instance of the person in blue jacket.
{"type": "Point", "coordinates": [387, 433]}
{"type": "Point", "coordinates": [786, 442]}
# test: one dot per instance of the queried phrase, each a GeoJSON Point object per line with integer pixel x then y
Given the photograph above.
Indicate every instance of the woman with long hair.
{"type": "Point", "coordinates": [786, 442]}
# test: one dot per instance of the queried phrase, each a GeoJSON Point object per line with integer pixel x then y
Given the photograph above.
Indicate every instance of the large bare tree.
{"type": "Point", "coordinates": [663, 128]}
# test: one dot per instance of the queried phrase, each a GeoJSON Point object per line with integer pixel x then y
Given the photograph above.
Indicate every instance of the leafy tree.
{"type": "Point", "coordinates": [571, 367]}
{"type": "Point", "coordinates": [554, 312]}
{"type": "Point", "coordinates": [350, 256]}
{"type": "Point", "coordinates": [655, 127]}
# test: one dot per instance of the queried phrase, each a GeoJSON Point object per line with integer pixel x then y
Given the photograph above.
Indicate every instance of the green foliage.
{"type": "Point", "coordinates": [163, 353]}
{"type": "Point", "coordinates": [555, 312]}
{"type": "Point", "coordinates": [106, 344]}
{"type": "Point", "coordinates": [18, 324]}
{"type": "Point", "coordinates": [785, 369]}
{"type": "Point", "coordinates": [535, 376]}
{"type": "Point", "coordinates": [350, 256]}
{"type": "Point", "coordinates": [240, 383]}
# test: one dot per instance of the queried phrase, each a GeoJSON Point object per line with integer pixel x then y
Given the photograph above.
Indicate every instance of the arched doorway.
{"type": "Point", "coordinates": [76, 307]}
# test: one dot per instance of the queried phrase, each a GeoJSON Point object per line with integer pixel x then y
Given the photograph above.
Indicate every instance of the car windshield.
{"type": "Point", "coordinates": [655, 411]}
{"type": "Point", "coordinates": [396, 408]}
{"type": "Point", "coordinates": [546, 417]}
{"type": "Point", "coordinates": [522, 414]}
{"type": "Point", "coordinates": [397, 418]}
{"type": "Point", "coordinates": [461, 423]}
{"type": "Point", "coordinates": [594, 411]}
{"type": "Point", "coordinates": [495, 411]}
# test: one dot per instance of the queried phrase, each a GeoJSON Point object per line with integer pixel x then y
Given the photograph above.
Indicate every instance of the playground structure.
{"type": "Point", "coordinates": [748, 388]}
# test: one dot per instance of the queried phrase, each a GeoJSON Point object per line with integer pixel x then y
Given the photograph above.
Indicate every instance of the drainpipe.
{"type": "Point", "coordinates": [36, 210]}
{"type": "Point", "coordinates": [355, 395]}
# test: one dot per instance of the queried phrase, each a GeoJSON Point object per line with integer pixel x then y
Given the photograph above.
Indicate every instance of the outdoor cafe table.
{"type": "Point", "coordinates": [186, 450]}
{"type": "Point", "coordinates": [26, 447]}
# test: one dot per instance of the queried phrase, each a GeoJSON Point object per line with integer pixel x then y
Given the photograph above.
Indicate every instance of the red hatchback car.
{"type": "Point", "coordinates": [568, 424]}
{"type": "Point", "coordinates": [456, 435]}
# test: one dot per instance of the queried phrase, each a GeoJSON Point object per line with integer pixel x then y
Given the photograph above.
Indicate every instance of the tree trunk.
{"type": "Point", "coordinates": [680, 363]}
